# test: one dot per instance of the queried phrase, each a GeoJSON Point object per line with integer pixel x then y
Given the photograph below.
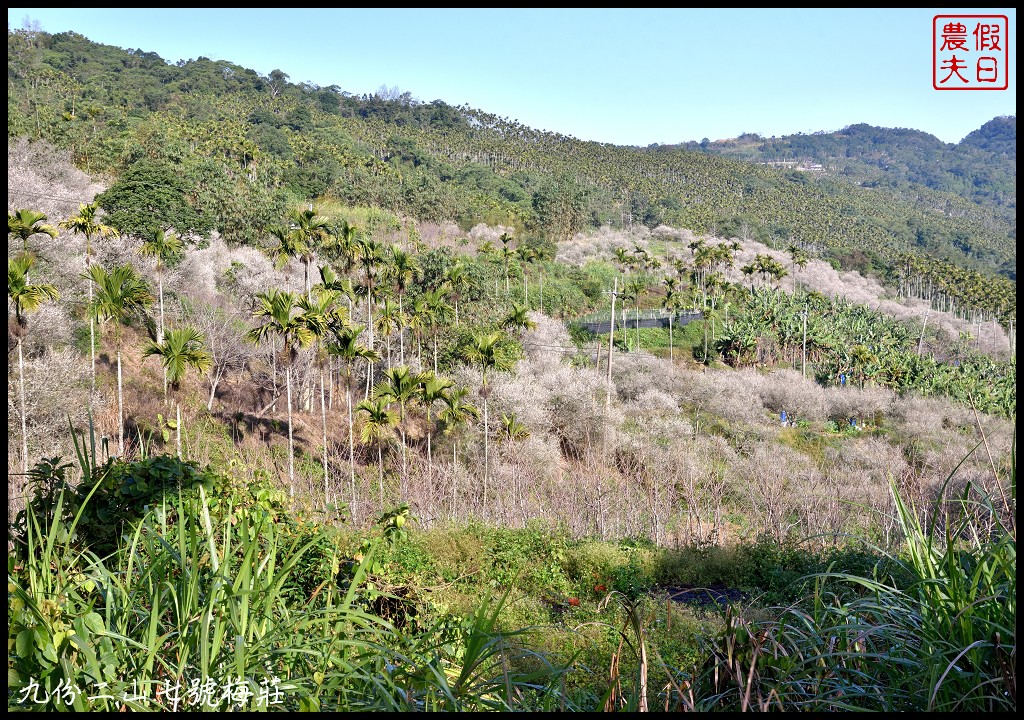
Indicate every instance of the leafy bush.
{"type": "Point", "coordinates": [108, 507]}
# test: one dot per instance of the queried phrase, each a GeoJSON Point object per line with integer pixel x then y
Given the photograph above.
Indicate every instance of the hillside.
{"type": "Point", "coordinates": [217, 286]}
{"type": "Point", "coordinates": [981, 168]}
{"type": "Point", "coordinates": [248, 142]}
{"type": "Point", "coordinates": [578, 508]}
{"type": "Point", "coordinates": [223, 158]}
{"type": "Point", "coordinates": [304, 411]}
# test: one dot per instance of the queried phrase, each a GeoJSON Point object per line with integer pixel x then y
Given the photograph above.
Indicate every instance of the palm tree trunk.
{"type": "Point", "coordinates": [430, 461]}
{"type": "Point", "coordinates": [369, 327]}
{"type": "Point", "coordinates": [351, 445]}
{"type": "Point", "coordinates": [160, 330]}
{"type": "Point", "coordinates": [24, 410]}
{"type": "Point", "coordinates": [405, 475]}
{"type": "Point", "coordinates": [638, 324]}
{"type": "Point", "coordinates": [485, 452]}
{"type": "Point", "coordinates": [92, 337]}
{"type": "Point", "coordinates": [401, 332]}
{"type": "Point", "coordinates": [291, 451]}
{"type": "Point", "coordinates": [273, 373]}
{"type": "Point", "coordinates": [380, 479]}
{"type": "Point", "coordinates": [323, 415]}
{"type": "Point", "coordinates": [643, 676]}
{"type": "Point", "coordinates": [671, 355]}
{"type": "Point", "coordinates": [214, 380]}
{"type": "Point", "coordinates": [120, 406]}
{"type": "Point", "coordinates": [455, 473]}
{"type": "Point", "coordinates": [803, 365]}
{"type": "Point", "coordinates": [177, 416]}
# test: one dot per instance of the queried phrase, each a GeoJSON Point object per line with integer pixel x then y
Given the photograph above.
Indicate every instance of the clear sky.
{"type": "Point", "coordinates": [620, 76]}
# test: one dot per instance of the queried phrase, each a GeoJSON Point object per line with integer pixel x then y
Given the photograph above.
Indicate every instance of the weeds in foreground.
{"type": "Point", "coordinates": [945, 643]}
{"type": "Point", "coordinates": [224, 603]}
{"type": "Point", "coordinates": [205, 604]}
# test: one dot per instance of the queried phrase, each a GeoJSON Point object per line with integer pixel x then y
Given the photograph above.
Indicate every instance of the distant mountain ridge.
{"type": "Point", "coordinates": [998, 136]}
{"type": "Point", "coordinates": [885, 202]}
{"type": "Point", "coordinates": [982, 167]}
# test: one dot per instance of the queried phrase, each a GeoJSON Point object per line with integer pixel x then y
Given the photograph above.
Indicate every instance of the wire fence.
{"type": "Point", "coordinates": [645, 319]}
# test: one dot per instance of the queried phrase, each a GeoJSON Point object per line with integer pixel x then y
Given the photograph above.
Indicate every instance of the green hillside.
{"type": "Point", "coordinates": [319, 402]}
{"type": "Point", "coordinates": [248, 145]}
{"type": "Point", "coordinates": [981, 168]}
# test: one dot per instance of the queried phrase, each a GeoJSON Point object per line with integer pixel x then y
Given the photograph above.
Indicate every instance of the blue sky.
{"type": "Point", "coordinates": [627, 77]}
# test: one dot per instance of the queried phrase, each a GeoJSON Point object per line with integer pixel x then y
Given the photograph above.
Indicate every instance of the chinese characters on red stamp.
{"type": "Point", "coordinates": [970, 52]}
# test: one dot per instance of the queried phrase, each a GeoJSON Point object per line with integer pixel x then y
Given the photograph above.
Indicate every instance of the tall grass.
{"type": "Point", "coordinates": [191, 602]}
{"type": "Point", "coordinates": [946, 642]}
{"type": "Point", "coordinates": [222, 603]}
{"type": "Point", "coordinates": [206, 604]}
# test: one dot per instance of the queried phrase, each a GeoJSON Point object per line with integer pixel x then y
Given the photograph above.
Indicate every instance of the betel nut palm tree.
{"type": "Point", "coordinates": [121, 294]}
{"type": "Point", "coordinates": [512, 432]}
{"type": "Point", "coordinates": [345, 345]}
{"type": "Point", "coordinates": [432, 388]}
{"type": "Point", "coordinates": [289, 245]}
{"type": "Point", "coordinates": [310, 230]}
{"type": "Point", "coordinates": [26, 298]}
{"type": "Point", "coordinates": [461, 282]}
{"type": "Point", "coordinates": [373, 260]}
{"type": "Point", "coordinates": [180, 350]}
{"type": "Point", "coordinates": [403, 268]}
{"type": "Point", "coordinates": [322, 303]}
{"type": "Point", "coordinates": [518, 319]}
{"type": "Point", "coordinates": [672, 302]}
{"type": "Point", "coordinates": [483, 352]}
{"type": "Point", "coordinates": [163, 247]}
{"type": "Point", "coordinates": [456, 413]}
{"type": "Point", "coordinates": [24, 223]}
{"type": "Point", "coordinates": [378, 428]}
{"type": "Point", "coordinates": [87, 223]}
{"type": "Point", "coordinates": [399, 385]}
{"type": "Point", "coordinates": [436, 314]}
{"type": "Point", "coordinates": [277, 309]}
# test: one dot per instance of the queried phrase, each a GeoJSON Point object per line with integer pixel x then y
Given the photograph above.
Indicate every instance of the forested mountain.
{"type": "Point", "coordinates": [981, 168]}
{"type": "Point", "coordinates": [342, 403]}
{"type": "Point", "coordinates": [245, 145]}
{"type": "Point", "coordinates": [998, 136]}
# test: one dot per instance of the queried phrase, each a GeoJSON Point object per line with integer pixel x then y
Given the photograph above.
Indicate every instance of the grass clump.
{"type": "Point", "coordinates": [206, 583]}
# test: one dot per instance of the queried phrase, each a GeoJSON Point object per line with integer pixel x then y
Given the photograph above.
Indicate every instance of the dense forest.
{"type": "Point", "coordinates": [330, 402]}
{"type": "Point", "coordinates": [981, 168]}
{"type": "Point", "coordinates": [245, 141]}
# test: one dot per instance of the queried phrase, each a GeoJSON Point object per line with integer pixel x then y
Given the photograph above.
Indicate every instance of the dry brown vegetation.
{"type": "Point", "coordinates": [680, 454]}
